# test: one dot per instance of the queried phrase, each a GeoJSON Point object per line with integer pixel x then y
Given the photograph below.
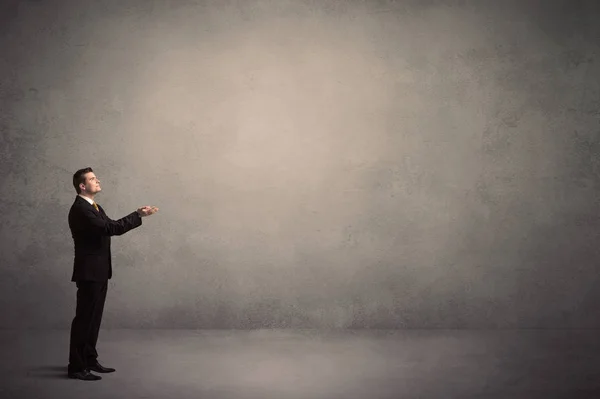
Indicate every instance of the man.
{"type": "Point", "coordinates": [91, 230]}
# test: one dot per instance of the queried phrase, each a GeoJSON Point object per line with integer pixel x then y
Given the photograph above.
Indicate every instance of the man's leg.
{"type": "Point", "coordinates": [80, 327]}
{"type": "Point", "coordinates": [99, 293]}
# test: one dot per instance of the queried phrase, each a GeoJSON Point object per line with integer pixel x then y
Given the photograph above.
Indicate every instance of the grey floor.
{"type": "Point", "coordinates": [309, 364]}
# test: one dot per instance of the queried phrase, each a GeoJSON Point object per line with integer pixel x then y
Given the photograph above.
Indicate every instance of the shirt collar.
{"type": "Point", "coordinates": [87, 199]}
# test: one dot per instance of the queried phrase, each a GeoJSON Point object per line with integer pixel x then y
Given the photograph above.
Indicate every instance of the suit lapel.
{"type": "Point", "coordinates": [88, 204]}
{"type": "Point", "coordinates": [100, 211]}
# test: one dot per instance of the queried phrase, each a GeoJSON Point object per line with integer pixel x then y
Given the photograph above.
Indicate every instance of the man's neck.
{"type": "Point", "coordinates": [87, 196]}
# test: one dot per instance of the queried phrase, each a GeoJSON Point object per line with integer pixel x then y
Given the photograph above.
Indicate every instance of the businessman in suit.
{"type": "Point", "coordinates": [91, 229]}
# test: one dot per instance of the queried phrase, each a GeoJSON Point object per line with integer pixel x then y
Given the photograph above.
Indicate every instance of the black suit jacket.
{"type": "Point", "coordinates": [91, 231]}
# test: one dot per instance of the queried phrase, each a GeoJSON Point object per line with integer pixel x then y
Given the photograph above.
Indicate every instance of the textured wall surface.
{"type": "Point", "coordinates": [360, 164]}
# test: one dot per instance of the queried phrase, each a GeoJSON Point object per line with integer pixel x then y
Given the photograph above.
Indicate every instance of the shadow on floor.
{"type": "Point", "coordinates": [52, 372]}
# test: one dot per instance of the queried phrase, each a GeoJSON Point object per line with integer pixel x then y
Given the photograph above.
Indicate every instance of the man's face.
{"type": "Point", "coordinates": [91, 185]}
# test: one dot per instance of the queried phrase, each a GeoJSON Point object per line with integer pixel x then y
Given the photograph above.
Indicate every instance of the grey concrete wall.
{"type": "Point", "coordinates": [359, 164]}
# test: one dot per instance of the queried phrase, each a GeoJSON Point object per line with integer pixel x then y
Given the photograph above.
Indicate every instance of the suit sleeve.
{"type": "Point", "coordinates": [111, 227]}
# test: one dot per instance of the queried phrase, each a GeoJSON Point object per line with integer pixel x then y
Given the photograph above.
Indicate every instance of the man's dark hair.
{"type": "Point", "coordinates": [79, 177]}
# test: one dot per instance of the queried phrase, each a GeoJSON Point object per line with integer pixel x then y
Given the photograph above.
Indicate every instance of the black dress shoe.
{"type": "Point", "coordinates": [97, 367]}
{"type": "Point", "coordinates": [84, 375]}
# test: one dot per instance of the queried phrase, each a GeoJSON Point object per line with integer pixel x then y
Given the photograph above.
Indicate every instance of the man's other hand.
{"type": "Point", "coordinates": [147, 210]}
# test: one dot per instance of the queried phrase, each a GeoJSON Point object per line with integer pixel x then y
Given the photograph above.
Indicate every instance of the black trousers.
{"type": "Point", "coordinates": [91, 296]}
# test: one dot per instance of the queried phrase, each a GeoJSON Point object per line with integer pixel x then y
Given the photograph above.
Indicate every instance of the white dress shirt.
{"type": "Point", "coordinates": [87, 199]}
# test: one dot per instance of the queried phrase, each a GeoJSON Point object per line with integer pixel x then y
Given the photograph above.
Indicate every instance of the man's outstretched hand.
{"type": "Point", "coordinates": [147, 210]}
